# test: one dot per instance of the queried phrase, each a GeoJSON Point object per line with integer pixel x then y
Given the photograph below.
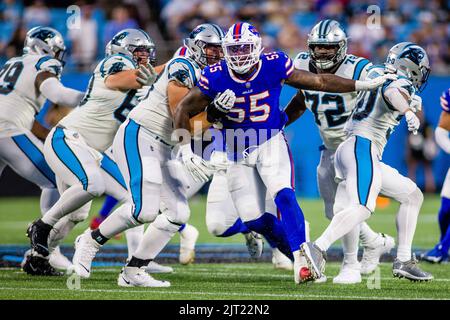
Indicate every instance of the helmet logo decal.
{"type": "Point", "coordinates": [43, 34]}
{"type": "Point", "coordinates": [196, 31]}
{"type": "Point", "coordinates": [413, 54]}
{"type": "Point", "coordinates": [253, 30]}
{"type": "Point", "coordinates": [116, 39]}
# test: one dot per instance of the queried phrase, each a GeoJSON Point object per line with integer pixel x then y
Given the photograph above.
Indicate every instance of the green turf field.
{"type": "Point", "coordinates": [226, 281]}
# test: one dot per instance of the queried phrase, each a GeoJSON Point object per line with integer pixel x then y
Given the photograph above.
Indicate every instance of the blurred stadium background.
{"type": "Point", "coordinates": [284, 25]}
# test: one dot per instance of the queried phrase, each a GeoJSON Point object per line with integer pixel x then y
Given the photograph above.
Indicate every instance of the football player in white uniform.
{"type": "Point", "coordinates": [73, 149]}
{"type": "Point", "coordinates": [440, 252]}
{"type": "Point", "coordinates": [358, 164]}
{"type": "Point", "coordinates": [142, 148]}
{"type": "Point", "coordinates": [327, 44]}
{"type": "Point", "coordinates": [25, 83]}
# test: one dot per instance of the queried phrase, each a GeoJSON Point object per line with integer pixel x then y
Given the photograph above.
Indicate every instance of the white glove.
{"type": "Point", "coordinates": [142, 92]}
{"type": "Point", "coordinates": [146, 75]}
{"type": "Point", "coordinates": [224, 101]}
{"type": "Point", "coordinates": [197, 167]}
{"type": "Point", "coordinates": [412, 121]}
{"type": "Point", "coordinates": [371, 84]}
{"type": "Point", "coordinates": [416, 104]}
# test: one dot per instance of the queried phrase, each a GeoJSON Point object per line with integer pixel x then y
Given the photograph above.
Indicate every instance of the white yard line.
{"type": "Point", "coordinates": [232, 294]}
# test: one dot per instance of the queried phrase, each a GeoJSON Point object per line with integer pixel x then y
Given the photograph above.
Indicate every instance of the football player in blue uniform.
{"type": "Point", "coordinates": [242, 93]}
{"type": "Point", "coordinates": [440, 252]}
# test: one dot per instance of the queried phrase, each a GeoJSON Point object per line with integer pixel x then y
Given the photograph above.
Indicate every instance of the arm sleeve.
{"type": "Point", "coordinates": [442, 139]}
{"type": "Point", "coordinates": [54, 91]}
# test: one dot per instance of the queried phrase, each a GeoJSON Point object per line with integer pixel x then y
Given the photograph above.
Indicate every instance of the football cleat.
{"type": "Point", "coordinates": [154, 267]}
{"type": "Point", "coordinates": [38, 232]}
{"type": "Point", "coordinates": [349, 274]}
{"type": "Point", "coordinates": [435, 255]}
{"type": "Point", "coordinates": [137, 277]}
{"type": "Point", "coordinates": [38, 266]}
{"type": "Point", "coordinates": [188, 238]}
{"type": "Point", "coordinates": [254, 243]}
{"type": "Point", "coordinates": [59, 261]}
{"type": "Point", "coordinates": [315, 259]}
{"type": "Point", "coordinates": [410, 270]}
{"type": "Point", "coordinates": [373, 252]}
{"type": "Point", "coordinates": [280, 261]}
{"type": "Point", "coordinates": [85, 250]}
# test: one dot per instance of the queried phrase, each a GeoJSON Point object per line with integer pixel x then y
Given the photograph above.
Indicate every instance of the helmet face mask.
{"type": "Point", "coordinates": [242, 47]}
{"type": "Point", "coordinates": [325, 55]}
{"type": "Point", "coordinates": [204, 44]}
{"type": "Point", "coordinates": [327, 33]}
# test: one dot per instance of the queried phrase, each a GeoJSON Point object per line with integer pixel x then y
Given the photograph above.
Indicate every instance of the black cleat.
{"type": "Point", "coordinates": [39, 266]}
{"type": "Point", "coordinates": [38, 233]}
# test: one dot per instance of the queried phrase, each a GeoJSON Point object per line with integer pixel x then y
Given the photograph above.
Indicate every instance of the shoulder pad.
{"type": "Point", "coordinates": [183, 70]}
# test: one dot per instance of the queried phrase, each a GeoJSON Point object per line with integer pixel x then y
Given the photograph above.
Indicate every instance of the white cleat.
{"type": "Point", "coordinates": [300, 267]}
{"type": "Point", "coordinates": [137, 277]}
{"type": "Point", "coordinates": [280, 261]}
{"type": "Point", "coordinates": [154, 267]}
{"type": "Point", "coordinates": [349, 274]}
{"type": "Point", "coordinates": [188, 238]}
{"type": "Point", "coordinates": [254, 243]}
{"type": "Point", "coordinates": [373, 252]}
{"type": "Point", "coordinates": [85, 250]}
{"type": "Point", "coordinates": [59, 261]}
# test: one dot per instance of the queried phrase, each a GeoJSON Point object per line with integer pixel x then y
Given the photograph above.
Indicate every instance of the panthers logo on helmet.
{"type": "Point", "coordinates": [43, 35]}
{"type": "Point", "coordinates": [116, 39]}
{"type": "Point", "coordinates": [196, 32]}
{"type": "Point", "coordinates": [414, 54]}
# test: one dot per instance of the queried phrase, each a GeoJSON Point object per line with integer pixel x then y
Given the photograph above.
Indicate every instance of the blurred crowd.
{"type": "Point", "coordinates": [284, 24]}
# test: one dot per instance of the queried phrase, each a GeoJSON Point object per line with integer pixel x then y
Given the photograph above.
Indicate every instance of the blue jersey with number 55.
{"type": "Point", "coordinates": [257, 96]}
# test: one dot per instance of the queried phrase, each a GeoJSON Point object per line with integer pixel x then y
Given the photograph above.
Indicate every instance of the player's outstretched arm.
{"type": "Point", "coordinates": [132, 79]}
{"type": "Point", "coordinates": [301, 79]}
{"type": "Point", "coordinates": [192, 104]}
{"type": "Point", "coordinates": [48, 84]}
{"type": "Point", "coordinates": [442, 132]}
{"type": "Point", "coordinates": [296, 107]}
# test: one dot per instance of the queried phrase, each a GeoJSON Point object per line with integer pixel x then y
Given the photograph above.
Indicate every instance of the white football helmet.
{"type": "Point", "coordinates": [327, 33]}
{"type": "Point", "coordinates": [45, 40]}
{"type": "Point", "coordinates": [206, 34]}
{"type": "Point", "coordinates": [411, 60]}
{"type": "Point", "coordinates": [130, 42]}
{"type": "Point", "coordinates": [242, 47]}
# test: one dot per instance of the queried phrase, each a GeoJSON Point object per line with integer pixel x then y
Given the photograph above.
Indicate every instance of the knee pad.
{"type": "Point", "coordinates": [162, 223]}
{"type": "Point", "coordinates": [178, 215]}
{"type": "Point", "coordinates": [329, 213]}
{"type": "Point", "coordinates": [96, 185]}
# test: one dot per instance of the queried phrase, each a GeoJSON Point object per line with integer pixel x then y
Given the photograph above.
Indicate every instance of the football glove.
{"type": "Point", "coordinates": [416, 104]}
{"type": "Point", "coordinates": [197, 166]}
{"type": "Point", "coordinates": [221, 105]}
{"type": "Point", "coordinates": [146, 76]}
{"type": "Point", "coordinates": [412, 121]}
